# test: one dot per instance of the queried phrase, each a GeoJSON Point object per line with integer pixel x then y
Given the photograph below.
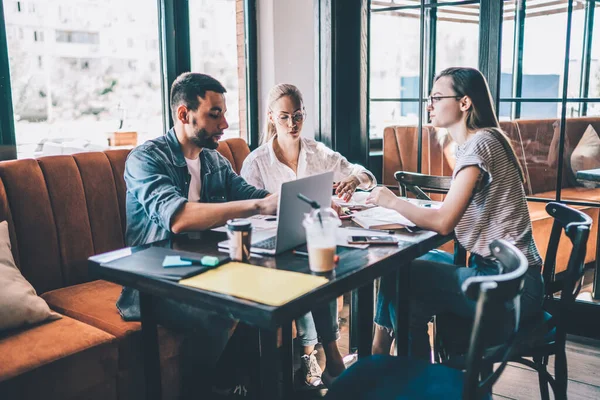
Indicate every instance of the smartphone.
{"type": "Point", "coordinates": [372, 240]}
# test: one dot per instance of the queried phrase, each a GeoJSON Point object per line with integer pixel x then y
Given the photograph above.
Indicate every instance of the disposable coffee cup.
{"type": "Point", "coordinates": [239, 232]}
{"type": "Point", "coordinates": [321, 235]}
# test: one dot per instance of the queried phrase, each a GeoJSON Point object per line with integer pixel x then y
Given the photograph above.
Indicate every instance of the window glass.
{"type": "Point", "coordinates": [394, 67]}
{"type": "Point", "coordinates": [214, 51]}
{"type": "Point", "coordinates": [506, 58]}
{"type": "Point", "coordinates": [83, 74]}
{"type": "Point", "coordinates": [457, 36]}
{"type": "Point", "coordinates": [543, 65]}
{"type": "Point", "coordinates": [386, 113]}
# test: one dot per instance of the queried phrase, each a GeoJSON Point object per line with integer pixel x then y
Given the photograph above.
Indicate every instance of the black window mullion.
{"type": "Point", "coordinates": [586, 54]}
{"type": "Point", "coordinates": [517, 69]}
{"type": "Point", "coordinates": [432, 59]}
{"type": "Point", "coordinates": [490, 45]}
{"type": "Point", "coordinates": [563, 114]}
{"type": "Point", "coordinates": [251, 51]}
{"type": "Point", "coordinates": [174, 46]}
{"type": "Point", "coordinates": [7, 118]}
{"type": "Point", "coordinates": [421, 77]}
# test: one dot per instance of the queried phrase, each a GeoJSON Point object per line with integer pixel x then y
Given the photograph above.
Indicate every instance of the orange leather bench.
{"type": "Point", "coordinates": [536, 145]}
{"type": "Point", "coordinates": [60, 211]}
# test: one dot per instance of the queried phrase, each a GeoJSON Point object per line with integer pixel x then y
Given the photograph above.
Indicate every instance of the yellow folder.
{"type": "Point", "coordinates": [273, 287]}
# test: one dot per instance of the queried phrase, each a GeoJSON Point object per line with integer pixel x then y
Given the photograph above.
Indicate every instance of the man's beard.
{"type": "Point", "coordinates": [205, 139]}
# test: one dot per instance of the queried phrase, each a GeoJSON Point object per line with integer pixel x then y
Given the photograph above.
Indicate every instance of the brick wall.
{"type": "Point", "coordinates": [241, 58]}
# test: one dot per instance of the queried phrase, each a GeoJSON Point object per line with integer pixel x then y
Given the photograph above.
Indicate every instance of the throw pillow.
{"type": "Point", "coordinates": [19, 303]}
{"type": "Point", "coordinates": [587, 154]}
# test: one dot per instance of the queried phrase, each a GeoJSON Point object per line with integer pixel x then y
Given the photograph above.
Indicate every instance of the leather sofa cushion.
{"type": "Point", "coordinates": [235, 150]}
{"type": "Point", "coordinates": [94, 303]}
{"type": "Point", "coordinates": [61, 359]}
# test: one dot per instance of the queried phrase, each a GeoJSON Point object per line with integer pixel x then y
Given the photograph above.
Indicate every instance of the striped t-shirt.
{"type": "Point", "coordinates": [498, 209]}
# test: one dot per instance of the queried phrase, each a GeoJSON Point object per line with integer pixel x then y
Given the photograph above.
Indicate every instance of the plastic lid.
{"type": "Point", "coordinates": [239, 224]}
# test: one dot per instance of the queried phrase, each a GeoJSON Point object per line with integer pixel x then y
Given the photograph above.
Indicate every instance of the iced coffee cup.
{"type": "Point", "coordinates": [321, 238]}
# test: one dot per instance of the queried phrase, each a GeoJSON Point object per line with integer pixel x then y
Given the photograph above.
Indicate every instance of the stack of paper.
{"type": "Point", "coordinates": [357, 200]}
{"type": "Point", "coordinates": [381, 218]}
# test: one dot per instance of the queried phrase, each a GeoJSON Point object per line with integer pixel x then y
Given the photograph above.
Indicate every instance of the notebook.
{"type": "Point", "coordinates": [150, 262]}
{"type": "Point", "coordinates": [269, 286]}
{"type": "Point", "coordinates": [380, 218]}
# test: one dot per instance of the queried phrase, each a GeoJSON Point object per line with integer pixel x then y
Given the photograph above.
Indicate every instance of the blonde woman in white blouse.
{"type": "Point", "coordinates": [285, 156]}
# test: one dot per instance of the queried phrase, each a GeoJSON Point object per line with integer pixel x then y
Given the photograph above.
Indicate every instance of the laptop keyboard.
{"type": "Point", "coordinates": [267, 244]}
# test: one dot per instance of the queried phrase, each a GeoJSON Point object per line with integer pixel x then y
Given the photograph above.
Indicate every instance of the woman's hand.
{"type": "Point", "coordinates": [382, 196]}
{"type": "Point", "coordinates": [346, 187]}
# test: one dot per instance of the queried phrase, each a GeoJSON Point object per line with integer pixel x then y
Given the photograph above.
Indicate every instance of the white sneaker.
{"type": "Point", "coordinates": [310, 369]}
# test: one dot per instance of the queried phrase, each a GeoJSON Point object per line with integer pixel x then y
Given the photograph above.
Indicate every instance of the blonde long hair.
{"type": "Point", "coordinates": [276, 93]}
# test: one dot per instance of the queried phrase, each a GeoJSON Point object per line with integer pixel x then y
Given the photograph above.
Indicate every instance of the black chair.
{"type": "Point", "coordinates": [415, 183]}
{"type": "Point", "coordinates": [388, 377]}
{"type": "Point", "coordinates": [545, 335]}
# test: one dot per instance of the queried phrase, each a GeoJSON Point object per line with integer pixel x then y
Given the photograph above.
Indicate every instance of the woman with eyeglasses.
{"type": "Point", "coordinates": [285, 156]}
{"type": "Point", "coordinates": [486, 201]}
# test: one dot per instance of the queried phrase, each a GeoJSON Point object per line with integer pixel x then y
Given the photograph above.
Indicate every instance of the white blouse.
{"type": "Point", "coordinates": [262, 168]}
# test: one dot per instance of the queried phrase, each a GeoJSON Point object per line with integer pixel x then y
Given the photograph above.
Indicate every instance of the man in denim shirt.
{"type": "Point", "coordinates": [179, 183]}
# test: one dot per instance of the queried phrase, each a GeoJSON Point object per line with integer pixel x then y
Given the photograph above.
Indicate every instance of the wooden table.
{"type": "Point", "coordinates": [357, 269]}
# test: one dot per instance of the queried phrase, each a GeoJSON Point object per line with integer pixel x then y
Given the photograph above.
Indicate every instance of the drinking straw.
{"type": "Point", "coordinates": [313, 204]}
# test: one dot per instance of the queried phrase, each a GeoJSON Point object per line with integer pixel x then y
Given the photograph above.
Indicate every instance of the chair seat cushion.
{"type": "Point", "coordinates": [62, 358]}
{"type": "Point", "coordinates": [386, 377]}
{"type": "Point", "coordinates": [94, 303]}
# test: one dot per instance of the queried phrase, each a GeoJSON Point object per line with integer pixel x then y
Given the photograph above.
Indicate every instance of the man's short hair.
{"type": "Point", "coordinates": [188, 86]}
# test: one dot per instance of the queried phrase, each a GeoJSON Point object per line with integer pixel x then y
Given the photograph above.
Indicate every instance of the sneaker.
{"type": "Point", "coordinates": [234, 392]}
{"type": "Point", "coordinates": [310, 369]}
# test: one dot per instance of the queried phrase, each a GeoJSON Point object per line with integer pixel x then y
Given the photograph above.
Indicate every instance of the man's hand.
{"type": "Point", "coordinates": [346, 187]}
{"type": "Point", "coordinates": [268, 205]}
{"type": "Point", "coordinates": [382, 196]}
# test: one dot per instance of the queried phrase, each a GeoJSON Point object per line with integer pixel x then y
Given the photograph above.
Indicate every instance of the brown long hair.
{"type": "Point", "coordinates": [276, 93]}
{"type": "Point", "coordinates": [481, 116]}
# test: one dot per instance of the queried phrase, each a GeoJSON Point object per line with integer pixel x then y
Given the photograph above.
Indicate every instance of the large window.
{"type": "Point", "coordinates": [535, 93]}
{"type": "Point", "coordinates": [403, 56]}
{"type": "Point", "coordinates": [214, 51]}
{"type": "Point", "coordinates": [82, 71]}
{"type": "Point", "coordinates": [87, 75]}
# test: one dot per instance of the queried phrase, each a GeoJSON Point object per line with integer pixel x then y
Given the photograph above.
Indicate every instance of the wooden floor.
{"type": "Point", "coordinates": [519, 382]}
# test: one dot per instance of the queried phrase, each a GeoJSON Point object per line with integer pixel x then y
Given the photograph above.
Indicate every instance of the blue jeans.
{"type": "Point", "coordinates": [320, 322]}
{"type": "Point", "coordinates": [435, 287]}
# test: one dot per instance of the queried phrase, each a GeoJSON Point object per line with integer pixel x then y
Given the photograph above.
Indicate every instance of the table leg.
{"type": "Point", "coordinates": [150, 348]}
{"type": "Point", "coordinates": [287, 360]}
{"type": "Point", "coordinates": [269, 376]}
{"type": "Point", "coordinates": [353, 321]}
{"type": "Point", "coordinates": [365, 320]}
{"type": "Point", "coordinates": [402, 311]}
{"type": "Point", "coordinates": [596, 284]}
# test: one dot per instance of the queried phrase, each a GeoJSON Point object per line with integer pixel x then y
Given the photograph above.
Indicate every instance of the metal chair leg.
{"type": "Point", "coordinates": [560, 374]}
{"type": "Point", "coordinates": [542, 362]}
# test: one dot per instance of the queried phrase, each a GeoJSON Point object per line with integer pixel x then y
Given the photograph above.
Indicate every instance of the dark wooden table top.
{"type": "Point", "coordinates": [356, 268]}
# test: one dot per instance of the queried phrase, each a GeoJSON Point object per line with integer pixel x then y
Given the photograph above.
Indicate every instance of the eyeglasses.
{"type": "Point", "coordinates": [297, 117]}
{"type": "Point", "coordinates": [431, 100]}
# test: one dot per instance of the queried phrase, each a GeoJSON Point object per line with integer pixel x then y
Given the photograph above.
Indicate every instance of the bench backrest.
{"type": "Point", "coordinates": [63, 209]}
{"type": "Point", "coordinates": [531, 139]}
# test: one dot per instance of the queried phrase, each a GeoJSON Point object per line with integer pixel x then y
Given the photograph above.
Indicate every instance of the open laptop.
{"type": "Point", "coordinates": [290, 213]}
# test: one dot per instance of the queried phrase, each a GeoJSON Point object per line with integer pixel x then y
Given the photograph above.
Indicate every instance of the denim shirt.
{"type": "Point", "coordinates": [158, 181]}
